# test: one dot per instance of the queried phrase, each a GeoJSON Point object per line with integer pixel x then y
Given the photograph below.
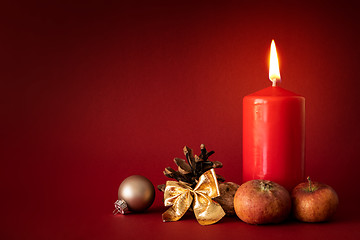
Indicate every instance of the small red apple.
{"type": "Point", "coordinates": [314, 202]}
{"type": "Point", "coordinates": [261, 202]}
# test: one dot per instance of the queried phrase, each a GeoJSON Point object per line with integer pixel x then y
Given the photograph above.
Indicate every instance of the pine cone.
{"type": "Point", "coordinates": [190, 170]}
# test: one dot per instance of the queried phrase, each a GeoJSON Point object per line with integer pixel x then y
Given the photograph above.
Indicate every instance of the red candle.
{"type": "Point", "coordinates": [274, 132]}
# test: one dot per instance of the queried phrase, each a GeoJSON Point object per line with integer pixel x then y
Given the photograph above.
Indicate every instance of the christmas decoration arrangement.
{"type": "Point", "coordinates": [273, 149]}
{"type": "Point", "coordinates": [199, 189]}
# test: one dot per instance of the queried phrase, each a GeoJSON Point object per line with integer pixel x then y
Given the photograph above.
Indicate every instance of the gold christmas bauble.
{"type": "Point", "coordinates": [138, 193]}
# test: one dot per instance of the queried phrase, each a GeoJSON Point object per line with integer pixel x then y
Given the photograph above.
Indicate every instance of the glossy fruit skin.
{"type": "Point", "coordinates": [314, 206]}
{"type": "Point", "coordinates": [262, 202]}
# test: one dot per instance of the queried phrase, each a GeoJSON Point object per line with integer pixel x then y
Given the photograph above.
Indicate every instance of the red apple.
{"type": "Point", "coordinates": [261, 202]}
{"type": "Point", "coordinates": [314, 202]}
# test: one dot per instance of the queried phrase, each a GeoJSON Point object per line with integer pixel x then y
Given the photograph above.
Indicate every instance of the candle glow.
{"type": "Point", "coordinates": [274, 70]}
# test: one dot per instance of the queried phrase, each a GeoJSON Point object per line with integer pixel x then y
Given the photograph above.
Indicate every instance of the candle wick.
{"type": "Point", "coordinates": [274, 82]}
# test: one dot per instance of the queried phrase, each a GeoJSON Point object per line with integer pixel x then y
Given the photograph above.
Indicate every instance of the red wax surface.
{"type": "Point", "coordinates": [274, 136]}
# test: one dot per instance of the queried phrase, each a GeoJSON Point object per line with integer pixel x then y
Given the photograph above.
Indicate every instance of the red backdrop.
{"type": "Point", "coordinates": [93, 91]}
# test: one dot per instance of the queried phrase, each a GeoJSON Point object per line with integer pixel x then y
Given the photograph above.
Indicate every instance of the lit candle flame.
{"type": "Point", "coordinates": [274, 70]}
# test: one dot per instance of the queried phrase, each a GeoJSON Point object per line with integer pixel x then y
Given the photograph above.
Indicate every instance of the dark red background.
{"type": "Point", "coordinates": [95, 91]}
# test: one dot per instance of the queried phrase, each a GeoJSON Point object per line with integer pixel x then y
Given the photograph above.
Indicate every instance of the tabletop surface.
{"type": "Point", "coordinates": [82, 222]}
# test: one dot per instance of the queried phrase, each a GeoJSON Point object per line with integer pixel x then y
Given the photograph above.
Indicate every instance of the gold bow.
{"type": "Point", "coordinates": [180, 195]}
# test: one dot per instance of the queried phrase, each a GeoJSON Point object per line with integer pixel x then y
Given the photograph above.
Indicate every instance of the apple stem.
{"type": "Point", "coordinates": [265, 185]}
{"type": "Point", "coordinates": [310, 188]}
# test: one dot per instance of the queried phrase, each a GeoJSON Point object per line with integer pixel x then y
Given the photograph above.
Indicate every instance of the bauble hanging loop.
{"type": "Point", "coordinates": [120, 207]}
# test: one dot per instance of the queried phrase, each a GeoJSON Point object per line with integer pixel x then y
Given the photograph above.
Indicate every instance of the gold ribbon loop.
{"type": "Point", "coordinates": [180, 196]}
